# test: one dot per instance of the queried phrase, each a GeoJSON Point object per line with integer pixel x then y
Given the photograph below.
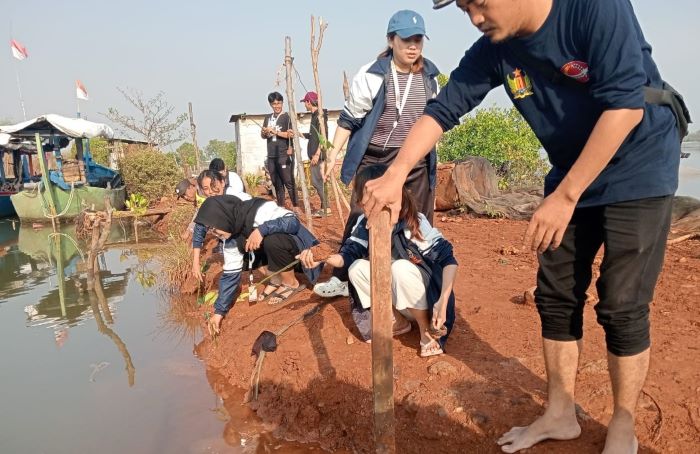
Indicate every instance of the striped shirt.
{"type": "Point", "coordinates": [415, 104]}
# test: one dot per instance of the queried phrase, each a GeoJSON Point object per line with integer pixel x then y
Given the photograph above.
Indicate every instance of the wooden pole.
{"type": "Point", "coordinates": [382, 339]}
{"type": "Point", "coordinates": [295, 127]}
{"type": "Point", "coordinates": [315, 51]}
{"type": "Point", "coordinates": [346, 87]}
{"type": "Point", "coordinates": [239, 153]}
{"type": "Point", "coordinates": [193, 131]}
{"type": "Point", "coordinates": [45, 179]}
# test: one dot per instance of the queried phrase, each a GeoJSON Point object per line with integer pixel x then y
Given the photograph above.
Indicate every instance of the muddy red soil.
{"type": "Point", "coordinates": [317, 386]}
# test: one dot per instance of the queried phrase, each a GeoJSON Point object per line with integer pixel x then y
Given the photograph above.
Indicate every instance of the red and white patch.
{"type": "Point", "coordinates": [577, 70]}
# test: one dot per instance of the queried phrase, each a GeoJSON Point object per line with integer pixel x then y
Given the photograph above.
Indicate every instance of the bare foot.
{"type": "Point", "coordinates": [621, 438]}
{"type": "Point", "coordinates": [545, 427]}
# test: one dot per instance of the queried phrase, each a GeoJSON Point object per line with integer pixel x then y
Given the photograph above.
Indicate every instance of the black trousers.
{"type": "Point", "coordinates": [281, 170]}
{"type": "Point", "coordinates": [277, 251]}
{"type": "Point", "coordinates": [633, 235]}
{"type": "Point", "coordinates": [417, 183]}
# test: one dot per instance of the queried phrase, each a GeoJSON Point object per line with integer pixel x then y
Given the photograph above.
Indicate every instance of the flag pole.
{"type": "Point", "coordinates": [21, 99]}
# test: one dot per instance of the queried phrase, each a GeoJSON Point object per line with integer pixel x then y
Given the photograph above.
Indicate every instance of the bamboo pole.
{"type": "Point", "coordinates": [288, 61]}
{"type": "Point", "coordinates": [45, 179]}
{"type": "Point", "coordinates": [346, 86]}
{"type": "Point", "coordinates": [382, 339]}
{"type": "Point", "coordinates": [315, 51]}
{"type": "Point", "coordinates": [193, 131]}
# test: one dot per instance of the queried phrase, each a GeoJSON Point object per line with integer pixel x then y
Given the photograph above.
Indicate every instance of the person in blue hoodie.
{"type": "Point", "coordinates": [386, 98]}
{"type": "Point", "coordinates": [423, 271]}
{"type": "Point", "coordinates": [580, 72]}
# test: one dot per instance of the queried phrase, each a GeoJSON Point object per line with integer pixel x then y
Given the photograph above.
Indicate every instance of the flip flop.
{"type": "Point", "coordinates": [284, 292]}
{"type": "Point", "coordinates": [428, 349]}
{"type": "Point", "coordinates": [264, 295]}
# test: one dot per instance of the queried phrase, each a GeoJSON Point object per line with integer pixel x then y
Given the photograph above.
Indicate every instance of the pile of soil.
{"type": "Point", "coordinates": [317, 386]}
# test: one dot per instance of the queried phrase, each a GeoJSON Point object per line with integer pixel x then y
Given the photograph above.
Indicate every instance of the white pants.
{"type": "Point", "coordinates": [408, 291]}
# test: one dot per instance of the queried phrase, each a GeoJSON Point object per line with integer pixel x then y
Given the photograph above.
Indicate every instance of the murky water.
{"type": "Point", "coordinates": [110, 370]}
{"type": "Point", "coordinates": [689, 183]}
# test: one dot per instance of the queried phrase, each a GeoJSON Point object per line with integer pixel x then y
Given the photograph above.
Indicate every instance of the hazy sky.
{"type": "Point", "coordinates": [224, 56]}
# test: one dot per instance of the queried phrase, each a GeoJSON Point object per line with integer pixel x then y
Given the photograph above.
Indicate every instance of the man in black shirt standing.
{"type": "Point", "coordinates": [313, 149]}
{"type": "Point", "coordinates": [277, 130]}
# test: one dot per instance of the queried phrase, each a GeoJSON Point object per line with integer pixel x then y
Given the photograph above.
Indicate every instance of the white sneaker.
{"type": "Point", "coordinates": [334, 287]}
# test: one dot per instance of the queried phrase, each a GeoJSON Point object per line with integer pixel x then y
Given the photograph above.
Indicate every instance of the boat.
{"type": "Point", "coordinates": [73, 185]}
{"type": "Point", "coordinates": [15, 161]}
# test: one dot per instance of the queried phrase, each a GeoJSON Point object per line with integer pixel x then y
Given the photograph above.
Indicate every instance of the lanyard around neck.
{"type": "Point", "coordinates": [397, 91]}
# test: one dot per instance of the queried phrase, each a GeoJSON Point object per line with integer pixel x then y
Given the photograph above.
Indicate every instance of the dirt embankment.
{"type": "Point", "coordinates": [317, 385]}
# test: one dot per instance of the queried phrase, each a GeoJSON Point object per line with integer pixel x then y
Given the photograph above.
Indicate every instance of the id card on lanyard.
{"type": "Point", "coordinates": [400, 101]}
{"type": "Point", "coordinates": [273, 124]}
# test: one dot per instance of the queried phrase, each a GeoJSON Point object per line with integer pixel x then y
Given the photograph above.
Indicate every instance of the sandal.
{"type": "Point", "coordinates": [284, 292]}
{"type": "Point", "coordinates": [431, 348]}
{"type": "Point", "coordinates": [402, 330]}
{"type": "Point", "coordinates": [334, 287]}
{"type": "Point", "coordinates": [264, 295]}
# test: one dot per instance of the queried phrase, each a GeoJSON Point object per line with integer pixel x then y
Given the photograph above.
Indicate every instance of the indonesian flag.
{"type": "Point", "coordinates": [80, 91]}
{"type": "Point", "coordinates": [18, 50]}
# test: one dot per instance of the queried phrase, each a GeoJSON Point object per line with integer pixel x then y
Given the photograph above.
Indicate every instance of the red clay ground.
{"type": "Point", "coordinates": [317, 386]}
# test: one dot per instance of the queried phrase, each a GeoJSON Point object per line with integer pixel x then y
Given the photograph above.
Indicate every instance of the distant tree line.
{"type": "Point", "coordinates": [693, 137]}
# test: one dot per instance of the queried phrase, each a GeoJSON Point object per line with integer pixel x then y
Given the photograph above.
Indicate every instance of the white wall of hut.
{"type": "Point", "coordinates": [254, 148]}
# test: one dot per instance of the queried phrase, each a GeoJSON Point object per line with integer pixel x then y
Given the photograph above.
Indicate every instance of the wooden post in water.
{"type": "Point", "coordinates": [382, 339]}
{"type": "Point", "coordinates": [293, 117]}
{"type": "Point", "coordinates": [193, 131]}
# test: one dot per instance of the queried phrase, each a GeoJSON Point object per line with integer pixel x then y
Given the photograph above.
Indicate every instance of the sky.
{"type": "Point", "coordinates": [224, 56]}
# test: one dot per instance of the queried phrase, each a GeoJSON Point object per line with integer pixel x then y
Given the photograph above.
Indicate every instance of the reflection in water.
{"type": "Point", "coordinates": [41, 253]}
{"type": "Point", "coordinates": [243, 430]}
{"type": "Point", "coordinates": [99, 299]}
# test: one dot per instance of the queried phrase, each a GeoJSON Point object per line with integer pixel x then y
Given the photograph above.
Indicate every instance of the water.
{"type": "Point", "coordinates": [689, 183]}
{"type": "Point", "coordinates": [82, 374]}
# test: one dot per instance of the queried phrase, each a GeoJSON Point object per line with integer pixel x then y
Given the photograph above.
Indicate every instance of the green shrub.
{"type": "Point", "coordinates": [504, 138]}
{"type": "Point", "coordinates": [149, 172]}
{"type": "Point", "coordinates": [99, 148]}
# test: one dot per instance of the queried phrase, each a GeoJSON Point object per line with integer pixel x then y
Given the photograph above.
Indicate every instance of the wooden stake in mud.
{"type": "Point", "coordinates": [382, 343]}
{"type": "Point", "coordinates": [193, 131]}
{"type": "Point", "coordinates": [315, 51]}
{"type": "Point", "coordinates": [295, 127]}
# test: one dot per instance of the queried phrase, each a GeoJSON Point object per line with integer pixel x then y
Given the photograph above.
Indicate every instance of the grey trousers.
{"type": "Point", "coordinates": [317, 183]}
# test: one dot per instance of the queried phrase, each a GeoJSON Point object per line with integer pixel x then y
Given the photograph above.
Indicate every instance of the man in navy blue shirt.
{"type": "Point", "coordinates": [614, 171]}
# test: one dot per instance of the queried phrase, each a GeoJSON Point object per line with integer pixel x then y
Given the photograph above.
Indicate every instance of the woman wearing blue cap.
{"type": "Point", "coordinates": [386, 98]}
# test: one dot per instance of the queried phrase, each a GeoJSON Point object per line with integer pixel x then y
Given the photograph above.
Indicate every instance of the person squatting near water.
{"type": "Point", "coordinates": [615, 159]}
{"type": "Point", "coordinates": [386, 98]}
{"type": "Point", "coordinates": [277, 131]}
{"type": "Point", "coordinates": [423, 270]}
{"type": "Point", "coordinates": [255, 234]}
{"type": "Point", "coordinates": [217, 180]}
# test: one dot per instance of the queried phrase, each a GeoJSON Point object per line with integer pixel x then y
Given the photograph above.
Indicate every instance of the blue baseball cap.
{"type": "Point", "coordinates": [406, 23]}
{"type": "Point", "coordinates": [437, 4]}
